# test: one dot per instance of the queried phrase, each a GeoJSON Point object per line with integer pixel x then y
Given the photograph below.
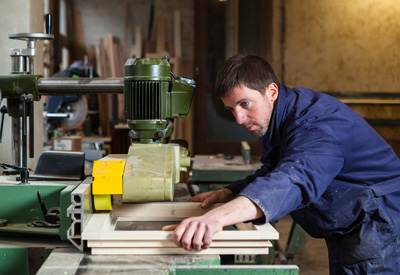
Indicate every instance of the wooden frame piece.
{"type": "Point", "coordinates": [102, 237]}
{"type": "Point", "coordinates": [178, 250]}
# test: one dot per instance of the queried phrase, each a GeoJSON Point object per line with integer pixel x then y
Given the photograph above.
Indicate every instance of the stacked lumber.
{"type": "Point", "coordinates": [183, 126]}
{"type": "Point", "coordinates": [104, 237]}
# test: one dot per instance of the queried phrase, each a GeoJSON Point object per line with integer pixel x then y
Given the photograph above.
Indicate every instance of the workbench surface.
{"type": "Point", "coordinates": [68, 261]}
{"type": "Point", "coordinates": [208, 168]}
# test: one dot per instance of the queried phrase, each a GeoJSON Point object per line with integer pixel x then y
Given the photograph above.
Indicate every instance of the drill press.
{"type": "Point", "coordinates": [20, 90]}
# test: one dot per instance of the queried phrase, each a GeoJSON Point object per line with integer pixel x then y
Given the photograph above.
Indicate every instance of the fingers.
{"type": "Point", "coordinates": [192, 238]}
{"type": "Point", "coordinates": [210, 200]}
{"type": "Point", "coordinates": [207, 239]}
{"type": "Point", "coordinates": [197, 240]}
{"type": "Point", "coordinates": [170, 227]}
{"type": "Point", "coordinates": [201, 197]}
{"type": "Point", "coordinates": [192, 234]}
{"type": "Point", "coordinates": [211, 197]}
{"type": "Point", "coordinates": [178, 233]}
{"type": "Point", "coordinates": [184, 233]}
{"type": "Point", "coordinates": [223, 195]}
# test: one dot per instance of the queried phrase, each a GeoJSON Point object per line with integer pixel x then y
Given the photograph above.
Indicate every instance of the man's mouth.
{"type": "Point", "coordinates": [251, 128]}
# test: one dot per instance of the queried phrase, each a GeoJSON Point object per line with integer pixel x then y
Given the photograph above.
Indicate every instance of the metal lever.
{"type": "Point", "coordinates": [28, 98]}
{"type": "Point", "coordinates": [23, 172]}
{"type": "Point", "coordinates": [25, 98]}
{"type": "Point", "coordinates": [42, 205]}
{"type": "Point", "coordinates": [3, 111]}
{"type": "Point", "coordinates": [47, 23]}
{"type": "Point", "coordinates": [52, 219]}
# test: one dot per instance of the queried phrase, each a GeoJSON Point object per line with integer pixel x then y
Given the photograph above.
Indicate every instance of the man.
{"type": "Point", "coordinates": [322, 163]}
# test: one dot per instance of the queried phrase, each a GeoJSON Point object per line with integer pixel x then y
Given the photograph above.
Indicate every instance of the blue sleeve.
{"type": "Point", "coordinates": [237, 186]}
{"type": "Point", "coordinates": [309, 161]}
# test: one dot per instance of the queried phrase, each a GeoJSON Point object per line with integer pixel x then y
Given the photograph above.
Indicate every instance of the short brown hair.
{"type": "Point", "coordinates": [244, 69]}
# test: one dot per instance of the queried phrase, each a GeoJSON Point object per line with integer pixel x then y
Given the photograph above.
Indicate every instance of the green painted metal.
{"type": "Point", "coordinates": [14, 260]}
{"type": "Point", "coordinates": [20, 206]}
{"type": "Point", "coordinates": [153, 100]}
{"type": "Point", "coordinates": [148, 69]}
{"type": "Point", "coordinates": [215, 261]}
{"type": "Point", "coordinates": [181, 97]}
{"type": "Point", "coordinates": [235, 270]}
{"type": "Point", "coordinates": [297, 239]}
{"type": "Point", "coordinates": [12, 86]}
{"type": "Point", "coordinates": [65, 202]}
{"type": "Point", "coordinates": [48, 252]}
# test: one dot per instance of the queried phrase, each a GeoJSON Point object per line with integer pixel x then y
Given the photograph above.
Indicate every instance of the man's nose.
{"type": "Point", "coordinates": [240, 117]}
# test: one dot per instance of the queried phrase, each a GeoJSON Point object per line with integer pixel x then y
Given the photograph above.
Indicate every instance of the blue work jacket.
{"type": "Point", "coordinates": [326, 166]}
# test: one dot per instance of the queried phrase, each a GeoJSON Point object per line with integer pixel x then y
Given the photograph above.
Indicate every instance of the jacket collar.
{"type": "Point", "coordinates": [273, 135]}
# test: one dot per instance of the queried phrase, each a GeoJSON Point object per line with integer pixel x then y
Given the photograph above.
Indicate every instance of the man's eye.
{"type": "Point", "coordinates": [245, 103]}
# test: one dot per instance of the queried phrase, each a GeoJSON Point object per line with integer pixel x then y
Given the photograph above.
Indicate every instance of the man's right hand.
{"type": "Point", "coordinates": [211, 197]}
{"type": "Point", "coordinates": [197, 232]}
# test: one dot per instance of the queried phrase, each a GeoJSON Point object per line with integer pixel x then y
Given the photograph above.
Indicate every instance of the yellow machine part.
{"type": "Point", "coordinates": [102, 202]}
{"type": "Point", "coordinates": [107, 175]}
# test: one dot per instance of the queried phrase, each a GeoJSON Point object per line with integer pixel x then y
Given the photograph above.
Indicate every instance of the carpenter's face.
{"type": "Point", "coordinates": [251, 109]}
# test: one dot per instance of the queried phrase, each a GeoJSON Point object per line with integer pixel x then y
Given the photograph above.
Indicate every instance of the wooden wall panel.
{"type": "Point", "coordinates": [340, 45]}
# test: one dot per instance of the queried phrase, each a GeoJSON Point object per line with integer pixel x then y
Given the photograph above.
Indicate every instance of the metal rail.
{"type": "Point", "coordinates": [70, 86]}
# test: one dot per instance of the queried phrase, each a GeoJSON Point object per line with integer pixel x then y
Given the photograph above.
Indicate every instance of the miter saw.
{"type": "Point", "coordinates": [67, 112]}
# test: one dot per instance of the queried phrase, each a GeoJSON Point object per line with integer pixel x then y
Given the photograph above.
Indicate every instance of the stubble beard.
{"type": "Point", "coordinates": [263, 127]}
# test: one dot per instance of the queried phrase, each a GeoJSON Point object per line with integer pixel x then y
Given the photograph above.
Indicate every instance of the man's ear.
{"type": "Point", "coordinates": [272, 91]}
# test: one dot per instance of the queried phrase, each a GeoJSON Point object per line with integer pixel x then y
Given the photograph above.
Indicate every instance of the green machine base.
{"type": "Point", "coordinates": [23, 247]}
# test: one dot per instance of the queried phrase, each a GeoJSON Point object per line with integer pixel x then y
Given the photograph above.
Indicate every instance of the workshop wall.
{"type": "Point", "coordinates": [340, 45]}
{"type": "Point", "coordinates": [346, 46]}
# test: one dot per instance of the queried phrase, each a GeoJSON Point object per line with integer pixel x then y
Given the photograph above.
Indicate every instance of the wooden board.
{"type": "Point", "coordinates": [171, 244]}
{"type": "Point", "coordinates": [136, 49]}
{"type": "Point", "coordinates": [103, 238]}
{"type": "Point", "coordinates": [177, 34]}
{"type": "Point", "coordinates": [79, 45]}
{"type": "Point", "coordinates": [160, 43]}
{"type": "Point", "coordinates": [178, 250]}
